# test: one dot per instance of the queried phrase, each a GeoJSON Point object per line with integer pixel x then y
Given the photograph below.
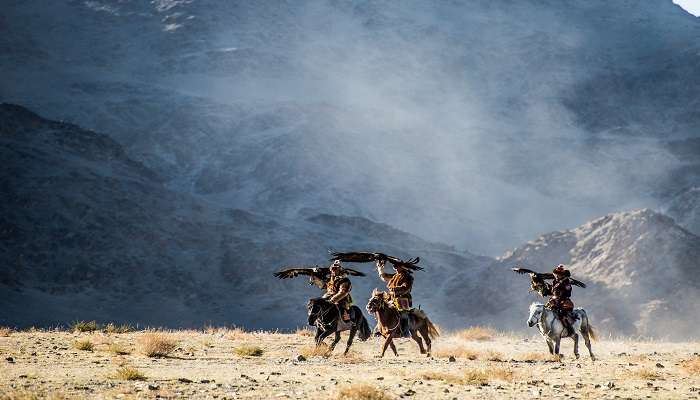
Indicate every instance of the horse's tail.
{"type": "Point", "coordinates": [591, 332]}
{"type": "Point", "coordinates": [587, 328]}
{"type": "Point", "coordinates": [433, 331]}
{"type": "Point", "coordinates": [363, 331]}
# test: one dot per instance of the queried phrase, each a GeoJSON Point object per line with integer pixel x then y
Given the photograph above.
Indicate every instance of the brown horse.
{"type": "Point", "coordinates": [389, 323]}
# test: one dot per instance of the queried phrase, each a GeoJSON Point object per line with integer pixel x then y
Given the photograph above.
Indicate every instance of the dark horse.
{"type": "Point", "coordinates": [389, 322]}
{"type": "Point", "coordinates": [326, 317]}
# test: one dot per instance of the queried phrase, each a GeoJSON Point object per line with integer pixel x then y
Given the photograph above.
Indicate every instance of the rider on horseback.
{"type": "Point", "coordinates": [399, 285]}
{"type": "Point", "coordinates": [560, 302]}
{"type": "Point", "coordinates": [338, 290]}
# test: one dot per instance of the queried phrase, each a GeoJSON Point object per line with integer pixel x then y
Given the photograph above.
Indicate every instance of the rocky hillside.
{"type": "Point", "coordinates": [642, 269]}
{"type": "Point", "coordinates": [415, 115]}
{"type": "Point", "coordinates": [87, 232]}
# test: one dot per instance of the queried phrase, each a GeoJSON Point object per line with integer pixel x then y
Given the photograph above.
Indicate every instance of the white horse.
{"type": "Point", "coordinates": [552, 329]}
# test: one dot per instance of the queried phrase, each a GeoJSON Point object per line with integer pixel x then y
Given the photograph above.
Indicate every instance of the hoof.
{"type": "Point", "coordinates": [577, 356]}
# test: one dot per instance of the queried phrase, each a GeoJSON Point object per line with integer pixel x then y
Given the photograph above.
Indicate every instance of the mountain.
{"type": "Point", "coordinates": [89, 233]}
{"type": "Point", "coordinates": [641, 267]}
{"type": "Point", "coordinates": [479, 124]}
{"type": "Point", "coordinates": [685, 209]}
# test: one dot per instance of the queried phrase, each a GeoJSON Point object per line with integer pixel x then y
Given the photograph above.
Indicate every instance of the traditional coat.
{"type": "Point", "coordinates": [338, 291]}
{"type": "Point", "coordinates": [400, 285]}
{"type": "Point", "coordinates": [561, 296]}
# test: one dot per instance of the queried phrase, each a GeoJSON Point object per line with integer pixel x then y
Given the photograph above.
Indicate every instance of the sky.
{"type": "Point", "coordinates": [692, 6]}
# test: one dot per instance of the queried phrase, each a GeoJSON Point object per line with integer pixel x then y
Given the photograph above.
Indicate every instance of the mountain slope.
{"type": "Point", "coordinates": [478, 123]}
{"type": "Point", "coordinates": [641, 268]}
{"type": "Point", "coordinates": [685, 209]}
{"type": "Point", "coordinates": [88, 233]}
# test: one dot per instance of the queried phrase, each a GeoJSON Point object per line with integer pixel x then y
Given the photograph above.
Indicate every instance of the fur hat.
{"type": "Point", "coordinates": [560, 270]}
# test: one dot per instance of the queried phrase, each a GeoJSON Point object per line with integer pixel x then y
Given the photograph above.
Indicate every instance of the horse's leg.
{"type": "Point", "coordinates": [425, 332]}
{"type": "Point", "coordinates": [557, 342]}
{"type": "Point", "coordinates": [317, 336]}
{"type": "Point", "coordinates": [393, 348]}
{"type": "Point", "coordinates": [418, 340]}
{"type": "Point", "coordinates": [389, 339]}
{"type": "Point", "coordinates": [323, 335]}
{"type": "Point", "coordinates": [575, 337]}
{"type": "Point", "coordinates": [353, 330]}
{"type": "Point", "coordinates": [587, 340]}
{"type": "Point", "coordinates": [335, 342]}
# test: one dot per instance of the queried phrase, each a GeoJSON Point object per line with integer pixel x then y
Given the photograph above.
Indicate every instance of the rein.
{"type": "Point", "coordinates": [321, 315]}
{"type": "Point", "coordinates": [398, 321]}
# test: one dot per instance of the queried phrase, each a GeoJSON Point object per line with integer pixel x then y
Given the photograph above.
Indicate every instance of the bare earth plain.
{"type": "Point", "coordinates": [218, 363]}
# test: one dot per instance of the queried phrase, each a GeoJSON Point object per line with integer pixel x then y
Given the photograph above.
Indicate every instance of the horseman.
{"type": "Point", "coordinates": [399, 284]}
{"type": "Point", "coordinates": [560, 301]}
{"type": "Point", "coordinates": [338, 290]}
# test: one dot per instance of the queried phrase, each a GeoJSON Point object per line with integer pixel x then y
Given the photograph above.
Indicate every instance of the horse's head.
{"type": "Point", "coordinates": [536, 310]}
{"type": "Point", "coordinates": [312, 310]}
{"type": "Point", "coordinates": [377, 301]}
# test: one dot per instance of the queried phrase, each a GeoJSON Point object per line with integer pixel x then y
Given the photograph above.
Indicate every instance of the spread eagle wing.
{"type": "Point", "coordinates": [363, 257]}
{"type": "Point", "coordinates": [316, 272]}
{"type": "Point", "coordinates": [577, 283]}
{"type": "Point", "coordinates": [540, 276]}
{"type": "Point", "coordinates": [322, 273]}
{"type": "Point", "coordinates": [358, 257]}
{"type": "Point", "coordinates": [533, 274]}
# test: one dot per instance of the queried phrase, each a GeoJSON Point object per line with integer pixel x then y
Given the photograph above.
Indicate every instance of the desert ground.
{"type": "Point", "coordinates": [218, 363]}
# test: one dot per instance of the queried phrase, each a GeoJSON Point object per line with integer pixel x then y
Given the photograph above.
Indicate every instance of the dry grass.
{"type": "Point", "coordinates": [157, 344]}
{"type": "Point", "coordinates": [476, 333]}
{"type": "Point", "coordinates": [456, 352]}
{"type": "Point", "coordinates": [248, 351]}
{"type": "Point", "coordinates": [118, 349]}
{"type": "Point", "coordinates": [314, 351]}
{"type": "Point", "coordinates": [486, 375]}
{"type": "Point", "coordinates": [85, 345]}
{"type": "Point", "coordinates": [114, 328]}
{"type": "Point", "coordinates": [692, 366]}
{"type": "Point", "coordinates": [238, 334]}
{"type": "Point", "coordinates": [362, 392]}
{"type": "Point", "coordinates": [646, 374]}
{"type": "Point", "coordinates": [5, 331]}
{"type": "Point", "coordinates": [305, 332]}
{"type": "Point", "coordinates": [84, 326]}
{"type": "Point", "coordinates": [127, 373]}
{"type": "Point", "coordinates": [471, 376]}
{"type": "Point", "coordinates": [27, 395]}
{"type": "Point", "coordinates": [353, 357]}
{"type": "Point", "coordinates": [495, 356]}
{"type": "Point", "coordinates": [441, 376]}
{"type": "Point", "coordinates": [537, 356]}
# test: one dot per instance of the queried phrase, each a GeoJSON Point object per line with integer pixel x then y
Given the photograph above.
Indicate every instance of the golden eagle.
{"type": "Point", "coordinates": [538, 282]}
{"type": "Point", "coordinates": [318, 276]}
{"type": "Point", "coordinates": [363, 257]}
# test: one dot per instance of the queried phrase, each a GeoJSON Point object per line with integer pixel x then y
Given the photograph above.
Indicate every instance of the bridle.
{"type": "Point", "coordinates": [381, 306]}
{"type": "Point", "coordinates": [320, 315]}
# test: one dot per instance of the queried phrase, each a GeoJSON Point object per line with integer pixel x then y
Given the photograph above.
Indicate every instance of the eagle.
{"type": "Point", "coordinates": [538, 282]}
{"type": "Point", "coordinates": [363, 257]}
{"type": "Point", "coordinates": [318, 276]}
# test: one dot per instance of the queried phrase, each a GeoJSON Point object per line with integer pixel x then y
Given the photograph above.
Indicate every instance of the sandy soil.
{"type": "Point", "coordinates": [205, 365]}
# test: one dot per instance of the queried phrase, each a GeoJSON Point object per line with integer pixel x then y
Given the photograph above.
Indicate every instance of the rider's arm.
{"type": "Point", "coordinates": [382, 275]}
{"type": "Point", "coordinates": [342, 292]}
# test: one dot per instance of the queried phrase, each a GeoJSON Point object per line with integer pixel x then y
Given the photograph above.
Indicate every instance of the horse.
{"type": "Point", "coordinates": [389, 323]}
{"type": "Point", "coordinates": [326, 317]}
{"type": "Point", "coordinates": [552, 329]}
